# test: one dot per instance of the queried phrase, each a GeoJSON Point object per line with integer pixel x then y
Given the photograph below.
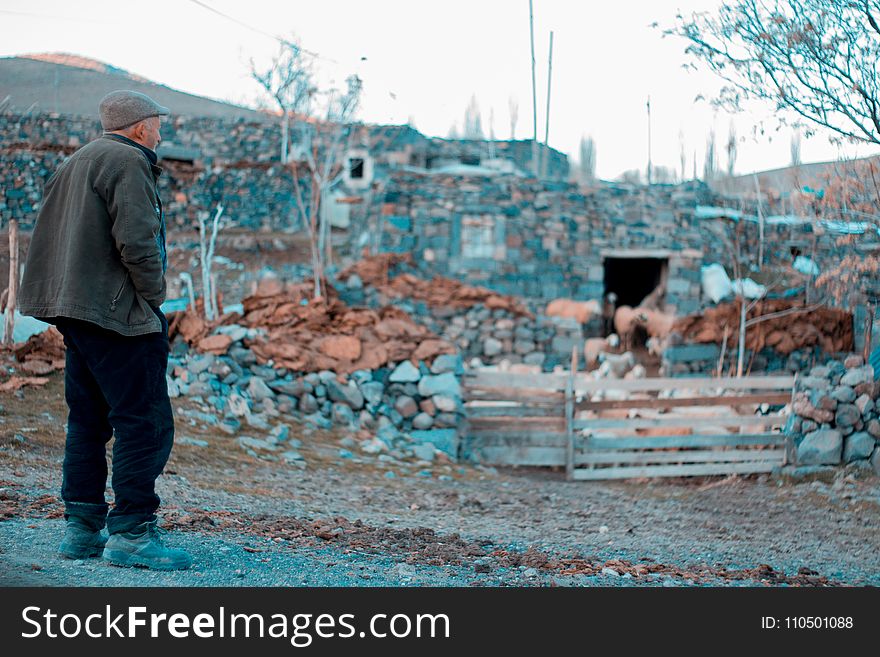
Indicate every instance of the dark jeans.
{"type": "Point", "coordinates": [115, 384]}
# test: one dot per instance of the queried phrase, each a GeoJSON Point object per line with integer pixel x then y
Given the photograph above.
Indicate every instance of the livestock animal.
{"type": "Point", "coordinates": [582, 311]}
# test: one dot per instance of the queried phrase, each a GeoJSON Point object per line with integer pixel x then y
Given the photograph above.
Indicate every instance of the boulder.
{"type": "Point", "coordinates": [295, 388]}
{"type": "Point", "coordinates": [847, 415]}
{"type": "Point", "coordinates": [406, 406]}
{"type": "Point", "coordinates": [258, 390]}
{"type": "Point", "coordinates": [854, 377]}
{"type": "Point", "coordinates": [372, 392]}
{"type": "Point", "coordinates": [865, 405]}
{"type": "Point", "coordinates": [422, 421]}
{"type": "Point", "coordinates": [440, 384]}
{"type": "Point", "coordinates": [447, 363]}
{"type": "Point", "coordinates": [406, 372]}
{"type": "Point", "coordinates": [844, 394]}
{"type": "Point", "coordinates": [492, 347]}
{"type": "Point", "coordinates": [444, 440]}
{"type": "Point", "coordinates": [858, 446]}
{"type": "Point", "coordinates": [822, 447]}
{"type": "Point", "coordinates": [345, 394]}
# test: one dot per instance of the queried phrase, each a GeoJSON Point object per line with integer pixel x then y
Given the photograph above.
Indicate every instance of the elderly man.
{"type": "Point", "coordinates": [96, 269]}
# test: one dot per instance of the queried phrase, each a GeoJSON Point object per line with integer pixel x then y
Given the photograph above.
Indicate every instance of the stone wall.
{"type": "Point", "coordinates": [835, 416]}
{"type": "Point", "coordinates": [407, 410]}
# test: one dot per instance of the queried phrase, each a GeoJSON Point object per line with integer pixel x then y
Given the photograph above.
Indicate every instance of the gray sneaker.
{"type": "Point", "coordinates": [81, 541]}
{"type": "Point", "coordinates": [143, 547]}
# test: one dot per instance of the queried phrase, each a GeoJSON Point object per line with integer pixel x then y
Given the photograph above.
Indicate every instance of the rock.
{"type": "Point", "coordinates": [610, 572]}
{"type": "Point", "coordinates": [199, 364]}
{"type": "Point", "coordinates": [873, 428]}
{"type": "Point", "coordinates": [854, 361]}
{"type": "Point", "coordinates": [422, 421]}
{"type": "Point", "coordinates": [441, 384]}
{"type": "Point", "coordinates": [447, 404]}
{"type": "Point", "coordinates": [821, 371]}
{"type": "Point", "coordinates": [258, 390]}
{"type": "Point", "coordinates": [858, 446]}
{"type": "Point", "coordinates": [844, 394]}
{"type": "Point", "coordinates": [342, 414]}
{"type": "Point", "coordinates": [447, 363]}
{"type": "Point", "coordinates": [345, 394]}
{"type": "Point", "coordinates": [292, 456]}
{"type": "Point", "coordinates": [823, 401]}
{"type": "Point", "coordinates": [804, 473]}
{"type": "Point", "coordinates": [492, 347]}
{"type": "Point", "coordinates": [341, 347]}
{"type": "Point", "coordinates": [530, 573]}
{"type": "Point", "coordinates": [847, 415]}
{"type": "Point", "coordinates": [853, 377]}
{"type": "Point", "coordinates": [318, 420]}
{"type": "Point", "coordinates": [294, 388]}
{"type": "Point", "coordinates": [188, 440]}
{"type": "Point", "coordinates": [875, 460]}
{"type": "Point", "coordinates": [534, 358]}
{"type": "Point", "coordinates": [234, 331]}
{"type": "Point", "coordinates": [230, 425]}
{"type": "Point", "coordinates": [805, 409]}
{"type": "Point", "coordinates": [445, 440]}
{"type": "Point", "coordinates": [428, 406]}
{"type": "Point", "coordinates": [173, 388]}
{"type": "Point", "coordinates": [809, 425]}
{"type": "Point", "coordinates": [280, 432]}
{"type": "Point", "coordinates": [238, 405]}
{"type": "Point", "coordinates": [406, 372]}
{"type": "Point", "coordinates": [373, 446]}
{"type": "Point", "coordinates": [372, 392]}
{"type": "Point", "coordinates": [257, 421]}
{"type": "Point", "coordinates": [820, 448]}
{"type": "Point", "coordinates": [249, 442]}
{"type": "Point", "coordinates": [865, 405]}
{"type": "Point", "coordinates": [308, 404]}
{"type": "Point", "coordinates": [524, 346]}
{"type": "Point", "coordinates": [813, 383]}
{"type": "Point", "coordinates": [446, 420]}
{"type": "Point", "coordinates": [406, 406]}
{"type": "Point", "coordinates": [423, 451]}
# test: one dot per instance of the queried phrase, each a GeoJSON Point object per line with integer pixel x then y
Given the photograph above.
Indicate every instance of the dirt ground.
{"type": "Point", "coordinates": [345, 521]}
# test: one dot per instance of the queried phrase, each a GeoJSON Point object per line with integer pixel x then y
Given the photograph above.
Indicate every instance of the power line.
{"type": "Point", "coordinates": [257, 30]}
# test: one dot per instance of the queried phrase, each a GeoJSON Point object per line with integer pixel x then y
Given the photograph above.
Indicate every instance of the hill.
{"type": "Point", "coordinates": [69, 84]}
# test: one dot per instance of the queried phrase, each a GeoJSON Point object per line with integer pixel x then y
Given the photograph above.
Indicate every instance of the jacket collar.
{"type": "Point", "coordinates": [148, 153]}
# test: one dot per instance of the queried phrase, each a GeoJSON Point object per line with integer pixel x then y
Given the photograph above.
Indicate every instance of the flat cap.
{"type": "Point", "coordinates": [122, 108]}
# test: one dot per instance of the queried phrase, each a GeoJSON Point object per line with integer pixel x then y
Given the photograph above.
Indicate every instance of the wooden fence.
{"type": "Point", "coordinates": [663, 427]}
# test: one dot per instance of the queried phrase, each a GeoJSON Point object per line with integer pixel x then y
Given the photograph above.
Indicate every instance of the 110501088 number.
{"type": "Point", "coordinates": [818, 622]}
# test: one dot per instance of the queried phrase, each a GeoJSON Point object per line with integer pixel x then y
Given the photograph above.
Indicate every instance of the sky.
{"type": "Point", "coordinates": [423, 61]}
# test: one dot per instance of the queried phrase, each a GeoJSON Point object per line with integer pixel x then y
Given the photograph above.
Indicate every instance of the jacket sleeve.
{"type": "Point", "coordinates": [134, 212]}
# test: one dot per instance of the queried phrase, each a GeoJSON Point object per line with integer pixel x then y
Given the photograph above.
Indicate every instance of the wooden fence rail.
{"type": "Point", "coordinates": [567, 420]}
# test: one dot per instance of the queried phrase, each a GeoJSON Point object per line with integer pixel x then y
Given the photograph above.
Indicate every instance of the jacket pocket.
{"type": "Point", "coordinates": [119, 293]}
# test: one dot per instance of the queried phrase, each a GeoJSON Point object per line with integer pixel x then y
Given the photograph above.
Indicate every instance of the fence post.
{"type": "Point", "coordinates": [569, 416]}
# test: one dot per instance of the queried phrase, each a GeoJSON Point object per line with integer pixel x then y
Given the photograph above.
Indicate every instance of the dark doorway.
{"type": "Point", "coordinates": [632, 279]}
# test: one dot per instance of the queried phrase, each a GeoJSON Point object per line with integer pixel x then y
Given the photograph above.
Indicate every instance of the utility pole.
{"type": "Point", "coordinates": [546, 155]}
{"type": "Point", "coordinates": [534, 94]}
{"type": "Point", "coordinates": [649, 140]}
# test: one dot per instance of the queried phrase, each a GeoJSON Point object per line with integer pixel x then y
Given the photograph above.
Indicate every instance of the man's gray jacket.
{"type": "Point", "coordinates": [96, 251]}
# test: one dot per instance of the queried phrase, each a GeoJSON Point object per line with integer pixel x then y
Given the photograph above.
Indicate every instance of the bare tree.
{"type": "Point", "coordinates": [587, 159]}
{"type": "Point", "coordinates": [513, 111]}
{"type": "Point", "coordinates": [814, 59]}
{"type": "Point", "coordinates": [453, 132]}
{"type": "Point", "coordinates": [796, 148]}
{"type": "Point", "coordinates": [322, 145]}
{"type": "Point", "coordinates": [288, 82]}
{"type": "Point", "coordinates": [321, 121]}
{"type": "Point", "coordinates": [473, 122]}
{"type": "Point", "coordinates": [710, 164]}
{"type": "Point", "coordinates": [682, 154]}
{"type": "Point", "coordinates": [731, 149]}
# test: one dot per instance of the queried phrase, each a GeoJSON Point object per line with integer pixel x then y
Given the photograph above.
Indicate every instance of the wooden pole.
{"type": "Point", "coordinates": [569, 416]}
{"type": "Point", "coordinates": [9, 328]}
{"type": "Point", "coordinates": [546, 154]}
{"type": "Point", "coordinates": [534, 94]}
